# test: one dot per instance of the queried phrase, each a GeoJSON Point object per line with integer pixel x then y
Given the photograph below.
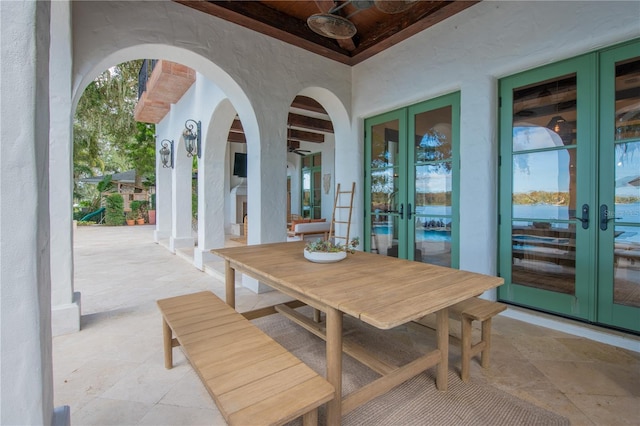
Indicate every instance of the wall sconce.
{"type": "Point", "coordinates": [166, 153]}
{"type": "Point", "coordinates": [191, 135]}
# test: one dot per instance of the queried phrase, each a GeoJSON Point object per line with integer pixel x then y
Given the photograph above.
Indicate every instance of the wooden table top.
{"type": "Point", "coordinates": [379, 290]}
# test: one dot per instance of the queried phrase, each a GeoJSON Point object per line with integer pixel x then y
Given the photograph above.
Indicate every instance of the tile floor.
{"type": "Point", "coordinates": [112, 371]}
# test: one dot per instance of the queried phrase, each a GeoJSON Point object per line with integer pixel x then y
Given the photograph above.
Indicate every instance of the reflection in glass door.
{"type": "Point", "coordinates": [619, 209]}
{"type": "Point", "coordinates": [433, 176]}
{"type": "Point", "coordinates": [412, 175]}
{"type": "Point", "coordinates": [547, 217]}
{"type": "Point", "coordinates": [386, 181]}
{"type": "Point", "coordinates": [570, 188]}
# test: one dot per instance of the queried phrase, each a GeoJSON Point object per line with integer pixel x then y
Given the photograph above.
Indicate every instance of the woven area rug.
{"type": "Point", "coordinates": [417, 401]}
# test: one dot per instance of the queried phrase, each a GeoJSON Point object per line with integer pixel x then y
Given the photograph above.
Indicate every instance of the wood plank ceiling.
{"type": "Point", "coordinates": [378, 25]}
{"type": "Point", "coordinates": [377, 28]}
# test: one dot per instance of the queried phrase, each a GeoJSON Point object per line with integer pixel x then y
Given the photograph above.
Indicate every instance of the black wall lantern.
{"type": "Point", "coordinates": [191, 135]}
{"type": "Point", "coordinates": [166, 153]}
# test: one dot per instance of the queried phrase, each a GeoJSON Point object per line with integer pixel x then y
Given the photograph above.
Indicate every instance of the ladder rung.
{"type": "Point", "coordinates": [343, 207]}
{"type": "Point", "coordinates": [338, 221]}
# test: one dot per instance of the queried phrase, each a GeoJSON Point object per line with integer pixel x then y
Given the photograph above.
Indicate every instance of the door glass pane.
{"type": "Point", "coordinates": [626, 251]}
{"type": "Point", "coordinates": [544, 185]}
{"type": "Point", "coordinates": [433, 183]}
{"type": "Point", "coordinates": [548, 107]}
{"type": "Point", "coordinates": [317, 194]}
{"type": "Point", "coordinates": [306, 193]}
{"type": "Point", "coordinates": [544, 255]}
{"type": "Point", "coordinates": [385, 186]}
{"type": "Point", "coordinates": [433, 240]}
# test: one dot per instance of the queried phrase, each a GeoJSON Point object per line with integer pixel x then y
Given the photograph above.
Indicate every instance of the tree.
{"type": "Point", "coordinates": [107, 139]}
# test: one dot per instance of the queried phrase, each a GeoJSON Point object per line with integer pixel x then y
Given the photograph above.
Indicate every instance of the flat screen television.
{"type": "Point", "coordinates": [240, 165]}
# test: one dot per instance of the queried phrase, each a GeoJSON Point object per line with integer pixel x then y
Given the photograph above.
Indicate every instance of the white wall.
{"type": "Point", "coordinates": [259, 75]}
{"type": "Point", "coordinates": [25, 355]}
{"type": "Point", "coordinates": [470, 52]}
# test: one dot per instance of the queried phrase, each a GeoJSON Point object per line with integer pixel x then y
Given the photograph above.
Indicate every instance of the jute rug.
{"type": "Point", "coordinates": [417, 401]}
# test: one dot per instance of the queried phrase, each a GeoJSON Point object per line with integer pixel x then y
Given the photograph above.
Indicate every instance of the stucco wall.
{"type": "Point", "coordinates": [25, 287]}
{"type": "Point", "coordinates": [259, 75]}
{"type": "Point", "coordinates": [469, 53]}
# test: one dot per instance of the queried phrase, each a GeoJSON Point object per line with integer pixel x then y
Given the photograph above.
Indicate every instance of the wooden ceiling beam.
{"type": "Point", "coordinates": [300, 135]}
{"type": "Point", "coordinates": [307, 103]}
{"type": "Point", "coordinates": [236, 126]}
{"type": "Point", "coordinates": [236, 137]}
{"type": "Point", "coordinates": [310, 123]}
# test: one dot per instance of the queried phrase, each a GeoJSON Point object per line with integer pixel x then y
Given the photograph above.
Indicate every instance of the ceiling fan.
{"type": "Point", "coordinates": [337, 27]}
{"type": "Point", "coordinates": [294, 146]}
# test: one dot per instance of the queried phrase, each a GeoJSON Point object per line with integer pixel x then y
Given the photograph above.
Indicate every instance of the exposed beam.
{"type": "Point", "coordinates": [293, 144]}
{"type": "Point", "coordinates": [236, 126]}
{"type": "Point", "coordinates": [294, 134]}
{"type": "Point", "coordinates": [301, 135]}
{"type": "Point", "coordinates": [236, 137]}
{"type": "Point", "coordinates": [307, 103]}
{"type": "Point", "coordinates": [311, 123]}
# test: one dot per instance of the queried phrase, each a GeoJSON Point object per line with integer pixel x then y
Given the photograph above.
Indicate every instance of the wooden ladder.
{"type": "Point", "coordinates": [340, 208]}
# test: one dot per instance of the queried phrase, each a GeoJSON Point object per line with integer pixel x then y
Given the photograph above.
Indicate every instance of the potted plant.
{"type": "Point", "coordinates": [326, 251]}
{"type": "Point", "coordinates": [130, 218]}
{"type": "Point", "coordinates": [138, 209]}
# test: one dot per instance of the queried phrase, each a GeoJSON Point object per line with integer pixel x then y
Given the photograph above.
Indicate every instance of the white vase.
{"type": "Point", "coordinates": [324, 257]}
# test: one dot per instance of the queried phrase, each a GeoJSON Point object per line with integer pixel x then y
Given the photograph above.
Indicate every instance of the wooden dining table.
{"type": "Point", "coordinates": [382, 291]}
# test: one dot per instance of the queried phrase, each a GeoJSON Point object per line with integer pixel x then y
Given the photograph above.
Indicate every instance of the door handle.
{"type": "Point", "coordinates": [400, 212]}
{"type": "Point", "coordinates": [409, 212]}
{"type": "Point", "coordinates": [604, 217]}
{"type": "Point", "coordinates": [585, 216]}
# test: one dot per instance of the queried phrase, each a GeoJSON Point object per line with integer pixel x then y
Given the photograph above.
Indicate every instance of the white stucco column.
{"type": "Point", "coordinates": [65, 304]}
{"type": "Point", "coordinates": [26, 371]}
{"type": "Point", "coordinates": [163, 198]}
{"type": "Point", "coordinates": [181, 234]}
{"type": "Point", "coordinates": [211, 178]}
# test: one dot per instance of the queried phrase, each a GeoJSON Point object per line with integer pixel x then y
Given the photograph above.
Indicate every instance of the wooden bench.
{"type": "Point", "coordinates": [467, 311]}
{"type": "Point", "coordinates": [252, 379]}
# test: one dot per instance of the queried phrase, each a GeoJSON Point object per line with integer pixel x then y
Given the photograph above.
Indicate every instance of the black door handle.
{"type": "Point", "coordinates": [604, 217]}
{"type": "Point", "coordinates": [585, 217]}
{"type": "Point", "coordinates": [400, 212]}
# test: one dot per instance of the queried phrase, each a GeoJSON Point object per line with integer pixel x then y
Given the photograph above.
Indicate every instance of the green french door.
{"type": "Point", "coordinates": [619, 190]}
{"type": "Point", "coordinates": [312, 186]}
{"type": "Point", "coordinates": [412, 180]}
{"type": "Point", "coordinates": [569, 212]}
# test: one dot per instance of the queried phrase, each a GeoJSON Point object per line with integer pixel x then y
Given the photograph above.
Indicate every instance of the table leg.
{"type": "Point", "coordinates": [167, 337]}
{"type": "Point", "coordinates": [230, 284]}
{"type": "Point", "coordinates": [442, 331]}
{"type": "Point", "coordinates": [334, 364]}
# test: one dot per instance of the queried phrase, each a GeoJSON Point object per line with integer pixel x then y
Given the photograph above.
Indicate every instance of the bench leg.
{"type": "Point", "coordinates": [310, 418]}
{"type": "Point", "coordinates": [486, 338]}
{"type": "Point", "coordinates": [316, 315]}
{"type": "Point", "coordinates": [465, 344]}
{"type": "Point", "coordinates": [168, 345]}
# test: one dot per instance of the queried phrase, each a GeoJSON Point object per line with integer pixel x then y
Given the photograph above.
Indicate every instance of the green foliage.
{"type": "Point", "coordinates": [114, 210]}
{"type": "Point", "coordinates": [541, 197]}
{"type": "Point", "coordinates": [106, 138]}
{"type": "Point", "coordinates": [105, 184]}
{"type": "Point", "coordinates": [327, 246]}
{"type": "Point", "coordinates": [139, 208]}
